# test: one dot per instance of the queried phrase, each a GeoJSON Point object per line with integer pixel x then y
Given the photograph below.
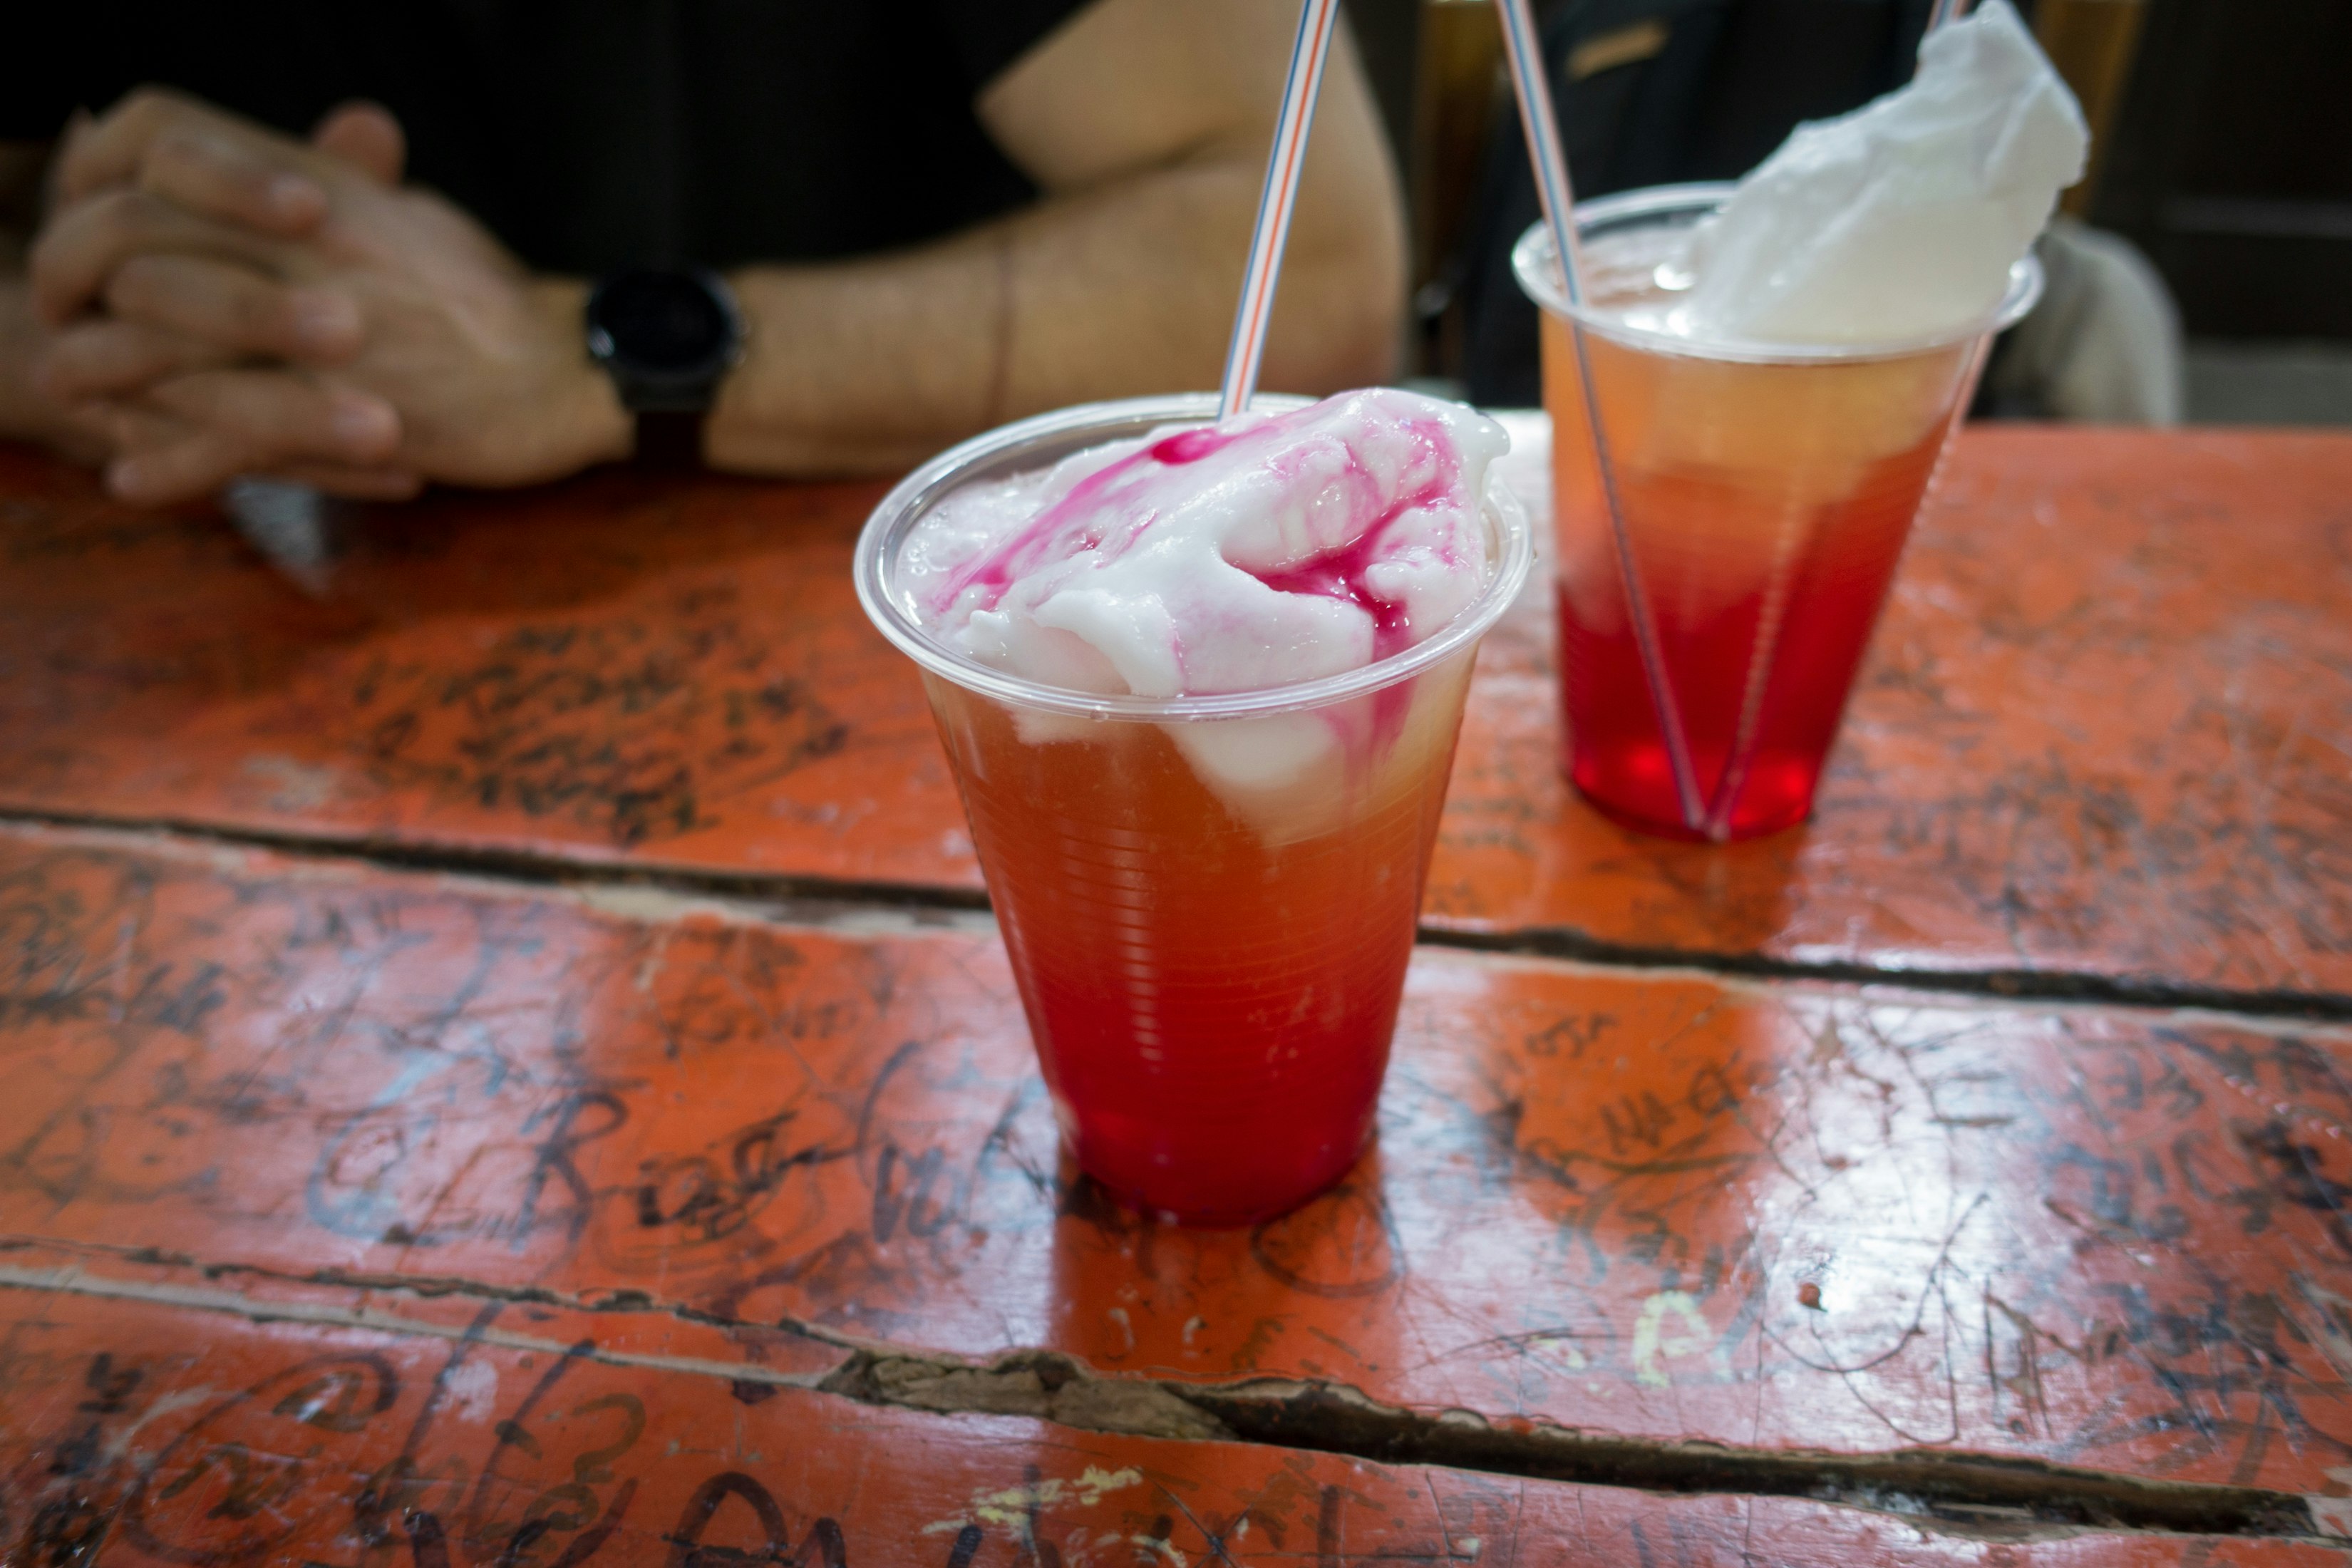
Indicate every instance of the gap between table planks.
{"type": "Point", "coordinates": [1659, 1206]}
{"type": "Point", "coordinates": [2098, 749]}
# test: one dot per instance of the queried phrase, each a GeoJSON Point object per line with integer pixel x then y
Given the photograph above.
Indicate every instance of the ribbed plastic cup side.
{"type": "Point", "coordinates": [1209, 904]}
{"type": "Point", "coordinates": [1765, 497]}
{"type": "Point", "coordinates": [1211, 987]}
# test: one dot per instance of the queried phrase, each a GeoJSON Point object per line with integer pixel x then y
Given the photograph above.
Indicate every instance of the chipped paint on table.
{"type": "Point", "coordinates": [1653, 1204]}
{"type": "Point", "coordinates": [621, 667]}
{"type": "Point", "coordinates": [2104, 728]}
{"type": "Point", "coordinates": [2104, 731]}
{"type": "Point", "coordinates": [139, 1434]}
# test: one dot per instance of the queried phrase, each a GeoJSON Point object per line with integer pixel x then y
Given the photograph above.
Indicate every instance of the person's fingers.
{"type": "Point", "coordinates": [190, 466]}
{"type": "Point", "coordinates": [81, 246]}
{"type": "Point", "coordinates": [161, 473]}
{"type": "Point", "coordinates": [127, 425]}
{"type": "Point", "coordinates": [366, 136]}
{"type": "Point", "coordinates": [390, 483]}
{"type": "Point", "coordinates": [107, 357]}
{"type": "Point", "coordinates": [99, 151]}
{"type": "Point", "coordinates": [91, 433]}
{"type": "Point", "coordinates": [234, 307]}
{"type": "Point", "coordinates": [229, 174]}
{"type": "Point", "coordinates": [159, 457]}
{"type": "Point", "coordinates": [192, 434]}
{"type": "Point", "coordinates": [202, 156]}
{"type": "Point", "coordinates": [281, 417]}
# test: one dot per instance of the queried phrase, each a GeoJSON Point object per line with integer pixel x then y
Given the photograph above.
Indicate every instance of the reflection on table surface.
{"type": "Point", "coordinates": [504, 1061]}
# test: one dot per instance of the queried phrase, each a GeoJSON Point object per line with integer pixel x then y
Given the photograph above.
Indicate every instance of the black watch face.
{"type": "Point", "coordinates": [660, 322]}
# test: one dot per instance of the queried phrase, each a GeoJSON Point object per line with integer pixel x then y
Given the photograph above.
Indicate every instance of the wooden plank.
{"type": "Point", "coordinates": [1646, 1204]}
{"type": "Point", "coordinates": [139, 1434]}
{"type": "Point", "coordinates": [2103, 731]}
{"type": "Point", "coordinates": [617, 668]}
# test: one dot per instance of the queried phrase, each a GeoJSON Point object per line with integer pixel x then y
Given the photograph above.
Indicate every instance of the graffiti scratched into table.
{"type": "Point", "coordinates": [2101, 734]}
{"type": "Point", "coordinates": [510, 1067]}
{"type": "Point", "coordinates": [1769, 1217]}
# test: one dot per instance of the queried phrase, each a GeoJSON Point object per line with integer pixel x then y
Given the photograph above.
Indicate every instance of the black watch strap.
{"type": "Point", "coordinates": [669, 438]}
{"type": "Point", "coordinates": [666, 339]}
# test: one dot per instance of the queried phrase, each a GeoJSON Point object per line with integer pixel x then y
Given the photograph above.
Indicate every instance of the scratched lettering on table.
{"type": "Point", "coordinates": [146, 1434]}
{"type": "Point", "coordinates": [1808, 1217]}
{"type": "Point", "coordinates": [614, 665]}
{"type": "Point", "coordinates": [605, 725]}
{"type": "Point", "coordinates": [361, 1449]}
{"type": "Point", "coordinates": [2102, 729]}
{"type": "Point", "coordinates": [631, 725]}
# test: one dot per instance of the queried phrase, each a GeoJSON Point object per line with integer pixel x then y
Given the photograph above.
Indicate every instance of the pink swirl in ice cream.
{"type": "Point", "coordinates": [1259, 551]}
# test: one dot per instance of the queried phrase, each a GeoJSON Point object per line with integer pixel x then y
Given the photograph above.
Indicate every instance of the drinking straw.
{"type": "Point", "coordinates": [1559, 199]}
{"type": "Point", "coordinates": [1774, 611]}
{"type": "Point", "coordinates": [1316, 18]}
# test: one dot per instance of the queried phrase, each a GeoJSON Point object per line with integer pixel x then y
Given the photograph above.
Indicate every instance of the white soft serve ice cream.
{"type": "Point", "coordinates": [1900, 220]}
{"type": "Point", "coordinates": [1896, 224]}
{"type": "Point", "coordinates": [1259, 551]}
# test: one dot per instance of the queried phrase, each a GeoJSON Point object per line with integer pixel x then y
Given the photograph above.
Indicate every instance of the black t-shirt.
{"type": "Point", "coordinates": [599, 135]}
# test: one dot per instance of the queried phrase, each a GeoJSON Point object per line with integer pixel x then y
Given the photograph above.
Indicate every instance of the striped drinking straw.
{"type": "Point", "coordinates": [1316, 19]}
{"type": "Point", "coordinates": [1558, 198]}
{"type": "Point", "coordinates": [1772, 617]}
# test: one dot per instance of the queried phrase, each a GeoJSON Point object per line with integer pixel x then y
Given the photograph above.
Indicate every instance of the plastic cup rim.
{"type": "Point", "coordinates": [1536, 272]}
{"type": "Point", "coordinates": [1051, 434]}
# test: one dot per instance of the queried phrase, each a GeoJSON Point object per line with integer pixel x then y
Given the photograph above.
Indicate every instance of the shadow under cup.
{"type": "Point", "coordinates": [1209, 903]}
{"type": "Point", "coordinates": [1727, 522]}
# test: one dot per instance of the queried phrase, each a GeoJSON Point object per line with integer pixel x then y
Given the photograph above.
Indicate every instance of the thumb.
{"type": "Point", "coordinates": [366, 136]}
{"type": "Point", "coordinates": [57, 188]}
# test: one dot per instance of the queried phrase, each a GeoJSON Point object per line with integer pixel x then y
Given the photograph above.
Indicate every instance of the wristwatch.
{"type": "Point", "coordinates": [666, 339]}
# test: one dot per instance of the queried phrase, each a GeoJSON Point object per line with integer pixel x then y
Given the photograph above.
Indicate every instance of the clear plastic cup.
{"type": "Point", "coordinates": [1208, 901]}
{"type": "Point", "coordinates": [1710, 628]}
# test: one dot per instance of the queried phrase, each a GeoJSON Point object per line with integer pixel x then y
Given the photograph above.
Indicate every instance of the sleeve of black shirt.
{"type": "Point", "coordinates": [987, 36]}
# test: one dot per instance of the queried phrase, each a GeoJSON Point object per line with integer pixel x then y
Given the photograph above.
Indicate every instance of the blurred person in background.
{"type": "Point", "coordinates": [379, 243]}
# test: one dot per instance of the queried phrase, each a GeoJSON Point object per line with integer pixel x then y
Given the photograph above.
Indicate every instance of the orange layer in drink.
{"type": "Point", "coordinates": [1764, 505]}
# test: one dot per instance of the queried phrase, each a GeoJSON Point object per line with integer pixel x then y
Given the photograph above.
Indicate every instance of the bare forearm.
{"type": "Point", "coordinates": [869, 365]}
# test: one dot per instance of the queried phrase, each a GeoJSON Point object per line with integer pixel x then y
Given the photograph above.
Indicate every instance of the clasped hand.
{"type": "Point", "coordinates": [223, 300]}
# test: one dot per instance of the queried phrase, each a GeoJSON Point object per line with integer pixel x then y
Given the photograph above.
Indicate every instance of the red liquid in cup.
{"type": "Point", "coordinates": [1211, 996]}
{"type": "Point", "coordinates": [1765, 505]}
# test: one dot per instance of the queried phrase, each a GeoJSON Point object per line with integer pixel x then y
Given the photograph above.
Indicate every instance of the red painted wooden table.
{"type": "Point", "coordinates": [502, 1060]}
{"type": "Point", "coordinates": [2103, 735]}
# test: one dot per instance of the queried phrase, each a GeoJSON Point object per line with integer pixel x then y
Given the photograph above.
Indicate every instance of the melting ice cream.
{"type": "Point", "coordinates": [1900, 220]}
{"type": "Point", "coordinates": [1260, 552]}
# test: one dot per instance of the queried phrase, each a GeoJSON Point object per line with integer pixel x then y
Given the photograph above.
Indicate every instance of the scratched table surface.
{"type": "Point", "coordinates": [1613, 1212]}
{"type": "Point", "coordinates": [499, 1063]}
{"type": "Point", "coordinates": [501, 1443]}
{"type": "Point", "coordinates": [2102, 737]}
